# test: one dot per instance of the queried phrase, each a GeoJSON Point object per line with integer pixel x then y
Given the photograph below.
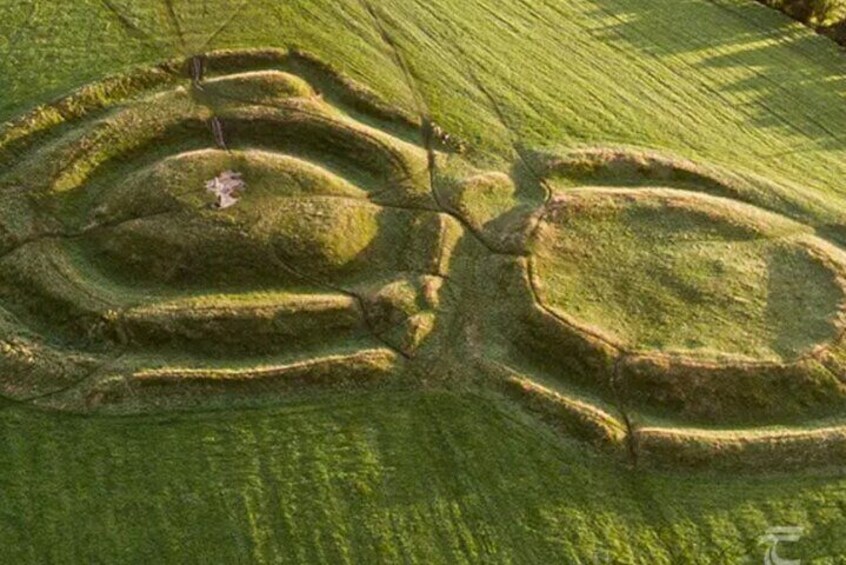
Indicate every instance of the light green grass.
{"type": "Point", "coordinates": [671, 273]}
{"type": "Point", "coordinates": [383, 478]}
{"type": "Point", "coordinates": [419, 476]}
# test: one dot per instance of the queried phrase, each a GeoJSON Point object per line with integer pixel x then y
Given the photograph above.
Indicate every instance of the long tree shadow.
{"type": "Point", "coordinates": [755, 59]}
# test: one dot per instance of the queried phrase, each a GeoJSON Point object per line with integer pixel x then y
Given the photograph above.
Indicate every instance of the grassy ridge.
{"type": "Point", "coordinates": [380, 478]}
{"type": "Point", "coordinates": [417, 476]}
{"type": "Point", "coordinates": [684, 75]}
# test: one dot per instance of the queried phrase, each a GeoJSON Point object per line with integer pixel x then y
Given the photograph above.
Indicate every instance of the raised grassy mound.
{"type": "Point", "coordinates": [118, 270]}
{"type": "Point", "coordinates": [630, 298]}
{"type": "Point", "coordinates": [673, 310]}
{"type": "Point", "coordinates": [675, 272]}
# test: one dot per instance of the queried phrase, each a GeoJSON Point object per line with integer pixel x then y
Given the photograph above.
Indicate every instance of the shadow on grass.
{"type": "Point", "coordinates": [779, 73]}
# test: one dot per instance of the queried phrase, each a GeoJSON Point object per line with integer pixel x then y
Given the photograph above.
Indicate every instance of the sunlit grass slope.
{"type": "Point", "coordinates": [729, 81]}
{"type": "Point", "coordinates": [432, 476]}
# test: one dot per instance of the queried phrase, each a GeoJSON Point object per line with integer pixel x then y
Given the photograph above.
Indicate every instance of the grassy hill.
{"type": "Point", "coordinates": [600, 322]}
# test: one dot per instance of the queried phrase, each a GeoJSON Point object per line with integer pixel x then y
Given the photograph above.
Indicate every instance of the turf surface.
{"type": "Point", "coordinates": [385, 477]}
{"type": "Point", "coordinates": [414, 475]}
{"type": "Point", "coordinates": [657, 274]}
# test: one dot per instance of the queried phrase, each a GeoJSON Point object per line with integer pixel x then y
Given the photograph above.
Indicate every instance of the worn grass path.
{"type": "Point", "coordinates": [432, 477]}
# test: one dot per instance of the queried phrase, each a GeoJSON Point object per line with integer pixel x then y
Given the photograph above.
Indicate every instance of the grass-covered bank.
{"type": "Point", "coordinates": [422, 476]}
{"type": "Point", "coordinates": [728, 81]}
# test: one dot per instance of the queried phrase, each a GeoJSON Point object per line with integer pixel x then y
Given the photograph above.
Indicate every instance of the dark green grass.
{"type": "Point", "coordinates": [419, 477]}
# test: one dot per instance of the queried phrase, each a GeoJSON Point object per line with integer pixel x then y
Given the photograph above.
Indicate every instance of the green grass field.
{"type": "Point", "coordinates": [384, 477]}
{"type": "Point", "coordinates": [685, 280]}
{"type": "Point", "coordinates": [169, 392]}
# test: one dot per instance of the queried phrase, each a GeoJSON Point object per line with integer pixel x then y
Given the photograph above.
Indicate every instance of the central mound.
{"type": "Point", "coordinates": [292, 210]}
{"type": "Point", "coordinates": [125, 277]}
{"type": "Point", "coordinates": [676, 272]}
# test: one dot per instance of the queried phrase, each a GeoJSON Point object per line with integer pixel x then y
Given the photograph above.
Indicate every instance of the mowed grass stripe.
{"type": "Point", "coordinates": [610, 71]}
{"type": "Point", "coordinates": [459, 481]}
{"type": "Point", "coordinates": [430, 477]}
{"type": "Point", "coordinates": [562, 58]}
